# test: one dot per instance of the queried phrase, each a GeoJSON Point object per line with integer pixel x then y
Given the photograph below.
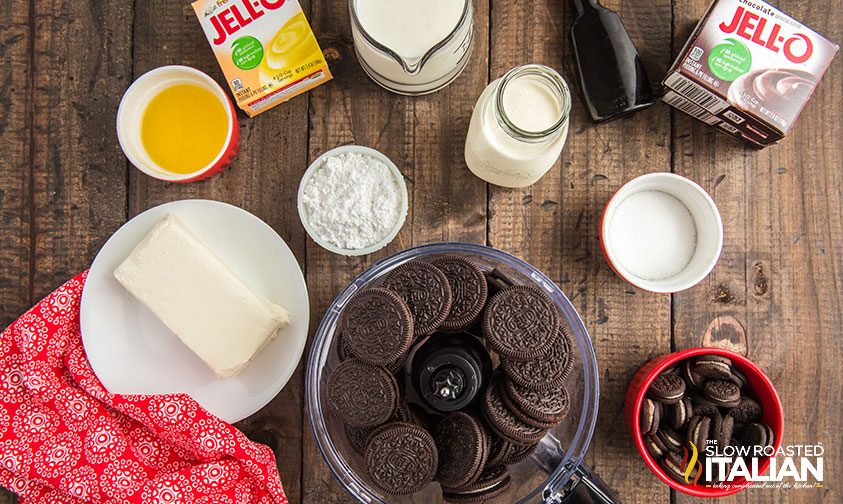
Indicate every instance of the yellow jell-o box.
{"type": "Point", "coordinates": [266, 49]}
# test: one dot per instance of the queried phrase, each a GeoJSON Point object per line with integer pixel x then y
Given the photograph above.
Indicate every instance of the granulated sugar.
{"type": "Point", "coordinates": [653, 235]}
{"type": "Point", "coordinates": [352, 201]}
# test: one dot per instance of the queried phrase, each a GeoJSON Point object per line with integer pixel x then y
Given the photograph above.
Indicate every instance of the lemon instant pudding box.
{"type": "Point", "coordinates": [266, 49]}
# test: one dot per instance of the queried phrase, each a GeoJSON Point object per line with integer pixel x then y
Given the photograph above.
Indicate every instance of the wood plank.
{"type": "Point", "coordinates": [15, 131]}
{"type": "Point", "coordinates": [424, 137]}
{"type": "Point", "coordinates": [554, 223]}
{"type": "Point", "coordinates": [263, 180]}
{"type": "Point", "coordinates": [81, 65]}
{"type": "Point", "coordinates": [780, 273]}
{"type": "Point", "coordinates": [15, 141]}
{"type": "Point", "coordinates": [71, 163]}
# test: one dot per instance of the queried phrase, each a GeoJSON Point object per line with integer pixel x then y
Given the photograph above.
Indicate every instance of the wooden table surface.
{"type": "Point", "coordinates": [65, 187]}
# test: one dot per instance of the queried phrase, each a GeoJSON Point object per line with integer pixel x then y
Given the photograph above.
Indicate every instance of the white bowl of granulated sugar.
{"type": "Point", "coordinates": [662, 232]}
{"type": "Point", "coordinates": [352, 200]}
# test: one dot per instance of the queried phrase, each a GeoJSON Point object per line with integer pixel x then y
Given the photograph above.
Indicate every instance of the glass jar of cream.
{"type": "Point", "coordinates": [519, 126]}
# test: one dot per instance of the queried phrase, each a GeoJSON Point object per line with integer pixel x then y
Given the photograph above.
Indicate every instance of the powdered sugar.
{"type": "Point", "coordinates": [352, 201]}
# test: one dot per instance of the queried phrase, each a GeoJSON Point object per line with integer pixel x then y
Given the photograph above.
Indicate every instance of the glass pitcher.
{"type": "Point", "coordinates": [411, 47]}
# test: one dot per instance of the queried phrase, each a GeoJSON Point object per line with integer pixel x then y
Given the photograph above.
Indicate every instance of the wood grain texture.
{"type": "Point", "coordinates": [64, 190]}
{"type": "Point", "coordinates": [15, 142]}
{"type": "Point", "coordinates": [425, 137]}
{"type": "Point", "coordinates": [65, 187]}
{"type": "Point", "coordinates": [263, 180]}
{"type": "Point", "coordinates": [554, 223]}
{"type": "Point", "coordinates": [81, 65]}
{"type": "Point", "coordinates": [781, 274]}
{"type": "Point", "coordinates": [16, 53]}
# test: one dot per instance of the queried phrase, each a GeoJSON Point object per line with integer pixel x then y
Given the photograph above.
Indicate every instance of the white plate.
{"type": "Point", "coordinates": [132, 352]}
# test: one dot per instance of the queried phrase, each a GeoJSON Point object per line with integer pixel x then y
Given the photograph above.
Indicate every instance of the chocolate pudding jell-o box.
{"type": "Point", "coordinates": [748, 69]}
{"type": "Point", "coordinates": [265, 48]}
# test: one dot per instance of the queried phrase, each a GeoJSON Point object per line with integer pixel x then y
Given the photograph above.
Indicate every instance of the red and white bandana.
{"type": "Point", "coordinates": [65, 439]}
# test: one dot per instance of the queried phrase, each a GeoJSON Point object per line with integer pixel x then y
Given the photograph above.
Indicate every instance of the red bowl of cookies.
{"type": "Point", "coordinates": [704, 418]}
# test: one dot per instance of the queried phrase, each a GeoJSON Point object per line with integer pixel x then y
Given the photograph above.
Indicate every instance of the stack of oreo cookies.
{"type": "Point", "coordinates": [405, 444]}
{"type": "Point", "coordinates": [701, 401]}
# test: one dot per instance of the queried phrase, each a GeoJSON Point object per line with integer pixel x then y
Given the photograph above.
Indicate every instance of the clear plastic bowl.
{"type": "Point", "coordinates": [545, 476]}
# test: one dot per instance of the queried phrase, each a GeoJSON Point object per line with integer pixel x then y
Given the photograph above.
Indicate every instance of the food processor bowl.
{"type": "Point", "coordinates": [553, 474]}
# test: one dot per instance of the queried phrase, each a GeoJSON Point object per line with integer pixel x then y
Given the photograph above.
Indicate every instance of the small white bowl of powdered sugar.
{"type": "Point", "coordinates": [662, 233]}
{"type": "Point", "coordinates": [352, 200]}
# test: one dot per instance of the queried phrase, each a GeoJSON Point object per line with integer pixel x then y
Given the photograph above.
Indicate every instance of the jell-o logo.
{"type": "Point", "coordinates": [232, 19]}
{"type": "Point", "coordinates": [752, 27]}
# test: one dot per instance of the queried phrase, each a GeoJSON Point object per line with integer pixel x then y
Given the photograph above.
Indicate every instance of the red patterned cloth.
{"type": "Point", "coordinates": [65, 439]}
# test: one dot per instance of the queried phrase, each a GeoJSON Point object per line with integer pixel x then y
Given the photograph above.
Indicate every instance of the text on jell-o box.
{"type": "Point", "coordinates": [748, 69]}
{"type": "Point", "coordinates": [265, 48]}
{"type": "Point", "coordinates": [797, 47]}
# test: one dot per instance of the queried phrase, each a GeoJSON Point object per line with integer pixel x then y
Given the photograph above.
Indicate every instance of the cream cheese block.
{"type": "Point", "coordinates": [199, 298]}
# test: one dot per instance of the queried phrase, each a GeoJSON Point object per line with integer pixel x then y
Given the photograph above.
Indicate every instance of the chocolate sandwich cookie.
{"type": "Point", "coordinates": [671, 465]}
{"type": "Point", "coordinates": [690, 376]}
{"type": "Point", "coordinates": [748, 410]}
{"type": "Point", "coordinates": [722, 393]}
{"type": "Point", "coordinates": [713, 367]}
{"type": "Point", "coordinates": [673, 368]}
{"type": "Point", "coordinates": [736, 433]}
{"type": "Point", "coordinates": [414, 414]}
{"type": "Point", "coordinates": [545, 372]}
{"type": "Point", "coordinates": [401, 458]}
{"type": "Point", "coordinates": [520, 323]}
{"type": "Point", "coordinates": [667, 388]}
{"type": "Point", "coordinates": [738, 377]}
{"type": "Point", "coordinates": [500, 278]}
{"type": "Point", "coordinates": [377, 326]}
{"type": "Point", "coordinates": [650, 416]}
{"type": "Point", "coordinates": [361, 395]}
{"type": "Point", "coordinates": [357, 437]}
{"type": "Point", "coordinates": [426, 290]}
{"type": "Point", "coordinates": [402, 413]}
{"type": "Point", "coordinates": [699, 429]}
{"type": "Point", "coordinates": [503, 452]}
{"type": "Point", "coordinates": [420, 416]}
{"type": "Point", "coordinates": [551, 405]}
{"type": "Point", "coordinates": [656, 448]}
{"type": "Point", "coordinates": [468, 288]}
{"type": "Point", "coordinates": [679, 413]}
{"type": "Point", "coordinates": [519, 453]}
{"type": "Point", "coordinates": [721, 430]}
{"type": "Point", "coordinates": [703, 406]}
{"type": "Point", "coordinates": [503, 422]}
{"type": "Point", "coordinates": [499, 450]}
{"type": "Point", "coordinates": [396, 367]}
{"type": "Point", "coordinates": [342, 348]}
{"type": "Point", "coordinates": [462, 447]}
{"type": "Point", "coordinates": [519, 412]}
{"type": "Point", "coordinates": [756, 434]}
{"type": "Point", "coordinates": [771, 436]}
{"type": "Point", "coordinates": [492, 482]}
{"type": "Point", "coordinates": [671, 439]}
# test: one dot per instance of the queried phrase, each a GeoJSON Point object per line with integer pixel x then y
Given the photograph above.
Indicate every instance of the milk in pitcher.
{"type": "Point", "coordinates": [412, 47]}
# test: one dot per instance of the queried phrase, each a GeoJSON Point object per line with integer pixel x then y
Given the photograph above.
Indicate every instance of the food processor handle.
{"type": "Point", "coordinates": [590, 489]}
{"type": "Point", "coordinates": [584, 487]}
